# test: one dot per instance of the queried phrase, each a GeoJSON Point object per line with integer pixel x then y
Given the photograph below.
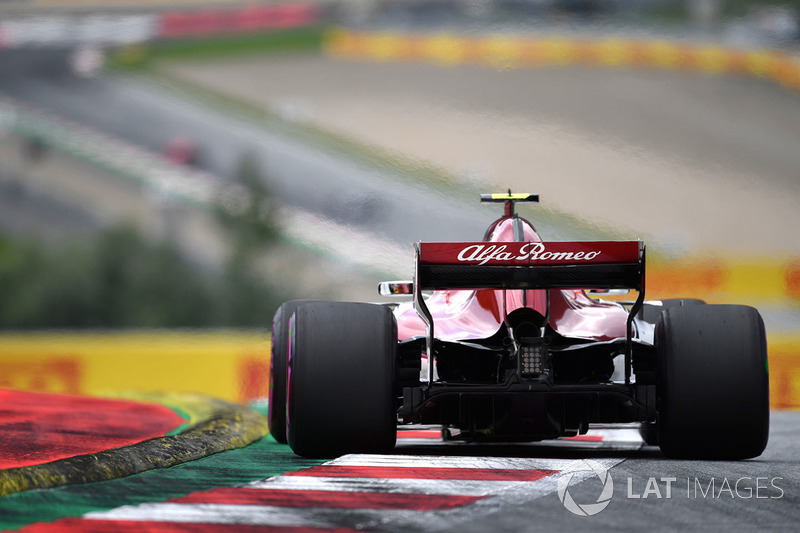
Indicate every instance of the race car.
{"type": "Point", "coordinates": [508, 339]}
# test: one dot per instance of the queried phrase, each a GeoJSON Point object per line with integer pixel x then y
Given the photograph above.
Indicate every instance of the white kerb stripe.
{"type": "Point", "coordinates": [267, 515]}
{"type": "Point", "coordinates": [423, 461]}
{"type": "Point", "coordinates": [387, 486]}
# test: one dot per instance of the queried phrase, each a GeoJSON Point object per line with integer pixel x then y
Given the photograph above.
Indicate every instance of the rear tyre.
{"type": "Point", "coordinates": [341, 380]}
{"type": "Point", "coordinates": [713, 385]}
{"type": "Point", "coordinates": [276, 416]}
{"type": "Point", "coordinates": [651, 313]}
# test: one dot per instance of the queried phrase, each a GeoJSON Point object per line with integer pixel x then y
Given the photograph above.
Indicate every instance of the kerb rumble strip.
{"type": "Point", "coordinates": [347, 494]}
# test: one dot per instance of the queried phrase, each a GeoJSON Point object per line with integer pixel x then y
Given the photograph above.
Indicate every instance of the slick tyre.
{"type": "Point", "coordinates": [713, 385]}
{"type": "Point", "coordinates": [276, 416]}
{"type": "Point", "coordinates": [341, 380]}
{"type": "Point", "coordinates": [651, 313]}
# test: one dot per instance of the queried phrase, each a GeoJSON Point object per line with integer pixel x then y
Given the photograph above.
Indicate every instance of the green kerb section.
{"type": "Point", "coordinates": [261, 459]}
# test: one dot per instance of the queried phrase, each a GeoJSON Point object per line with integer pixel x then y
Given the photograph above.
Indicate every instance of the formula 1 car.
{"type": "Point", "coordinates": [507, 340]}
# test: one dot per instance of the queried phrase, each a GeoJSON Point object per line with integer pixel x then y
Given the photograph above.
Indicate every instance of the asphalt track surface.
{"type": "Point", "coordinates": [298, 175]}
{"type": "Point", "coordinates": [693, 161]}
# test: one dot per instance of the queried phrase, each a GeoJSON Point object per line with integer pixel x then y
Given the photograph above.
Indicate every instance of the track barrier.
{"type": "Point", "coordinates": [727, 278]}
{"type": "Point", "coordinates": [232, 366]}
{"type": "Point", "coordinates": [504, 52]}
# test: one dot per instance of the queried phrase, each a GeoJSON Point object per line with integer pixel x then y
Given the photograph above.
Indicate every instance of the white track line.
{"type": "Point", "coordinates": [387, 486]}
{"type": "Point", "coordinates": [425, 461]}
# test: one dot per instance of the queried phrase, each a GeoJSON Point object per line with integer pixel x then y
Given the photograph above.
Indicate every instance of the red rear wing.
{"type": "Point", "coordinates": [530, 265]}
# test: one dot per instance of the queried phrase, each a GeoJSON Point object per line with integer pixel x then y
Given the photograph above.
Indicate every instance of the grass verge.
{"type": "Point", "coordinates": [293, 40]}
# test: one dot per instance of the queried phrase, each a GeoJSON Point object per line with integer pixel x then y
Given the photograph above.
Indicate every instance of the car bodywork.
{"type": "Point", "coordinates": [510, 328]}
{"type": "Point", "coordinates": [506, 339]}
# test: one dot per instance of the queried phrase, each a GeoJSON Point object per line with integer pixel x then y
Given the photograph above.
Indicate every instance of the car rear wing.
{"type": "Point", "coordinates": [529, 265]}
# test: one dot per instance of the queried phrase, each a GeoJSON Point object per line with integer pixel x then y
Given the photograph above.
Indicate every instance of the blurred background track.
{"type": "Point", "coordinates": [688, 162]}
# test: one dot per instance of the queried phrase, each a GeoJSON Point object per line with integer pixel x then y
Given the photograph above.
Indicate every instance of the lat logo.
{"type": "Point", "coordinates": [591, 467]}
{"type": "Point", "coordinates": [531, 251]}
